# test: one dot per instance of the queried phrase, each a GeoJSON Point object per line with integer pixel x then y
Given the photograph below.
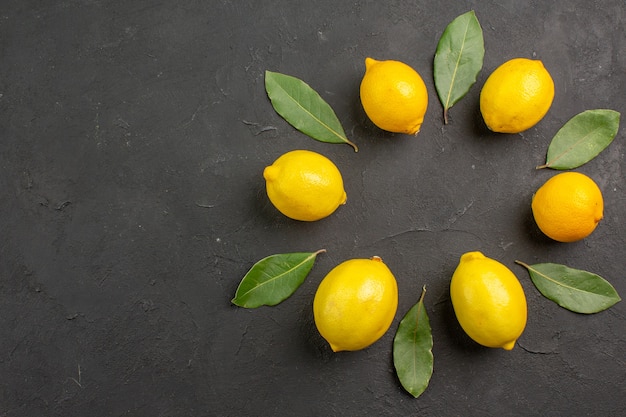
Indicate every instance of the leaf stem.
{"type": "Point", "coordinates": [423, 294]}
{"type": "Point", "coordinates": [356, 149]}
{"type": "Point", "coordinates": [522, 264]}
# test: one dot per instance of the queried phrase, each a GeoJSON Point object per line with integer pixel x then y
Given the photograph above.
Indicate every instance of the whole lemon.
{"type": "Point", "coordinates": [568, 207]}
{"type": "Point", "coordinates": [516, 95]}
{"type": "Point", "coordinates": [304, 185]}
{"type": "Point", "coordinates": [488, 301]}
{"type": "Point", "coordinates": [393, 96]}
{"type": "Point", "coordinates": [355, 303]}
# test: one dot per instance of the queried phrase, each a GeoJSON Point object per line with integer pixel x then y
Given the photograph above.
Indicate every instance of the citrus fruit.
{"type": "Point", "coordinates": [304, 185]}
{"type": "Point", "coordinates": [516, 95]}
{"type": "Point", "coordinates": [393, 96]}
{"type": "Point", "coordinates": [488, 301]}
{"type": "Point", "coordinates": [568, 207]}
{"type": "Point", "coordinates": [355, 303]}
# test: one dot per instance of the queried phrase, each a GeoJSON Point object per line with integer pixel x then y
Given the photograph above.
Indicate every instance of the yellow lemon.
{"type": "Point", "coordinates": [393, 96]}
{"type": "Point", "coordinates": [304, 185]}
{"type": "Point", "coordinates": [488, 301]}
{"type": "Point", "coordinates": [516, 95]}
{"type": "Point", "coordinates": [355, 303]}
{"type": "Point", "coordinates": [568, 207]}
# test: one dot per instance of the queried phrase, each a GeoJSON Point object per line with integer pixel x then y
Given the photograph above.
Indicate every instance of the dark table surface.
{"type": "Point", "coordinates": [133, 138]}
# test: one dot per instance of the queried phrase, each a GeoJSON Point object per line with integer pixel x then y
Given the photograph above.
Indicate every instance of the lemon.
{"type": "Point", "coordinates": [304, 185]}
{"type": "Point", "coordinates": [355, 303]}
{"type": "Point", "coordinates": [393, 96]}
{"type": "Point", "coordinates": [516, 95]}
{"type": "Point", "coordinates": [568, 207]}
{"type": "Point", "coordinates": [488, 301]}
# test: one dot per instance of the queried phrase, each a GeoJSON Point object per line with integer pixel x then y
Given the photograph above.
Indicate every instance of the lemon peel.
{"type": "Point", "coordinates": [393, 96]}
{"type": "Point", "coordinates": [304, 185]}
{"type": "Point", "coordinates": [568, 207]}
{"type": "Point", "coordinates": [488, 300]}
{"type": "Point", "coordinates": [516, 95]}
{"type": "Point", "coordinates": [355, 304]}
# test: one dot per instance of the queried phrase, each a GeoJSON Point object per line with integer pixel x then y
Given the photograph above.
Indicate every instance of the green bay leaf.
{"type": "Point", "coordinates": [458, 59]}
{"type": "Point", "coordinates": [304, 109]}
{"type": "Point", "coordinates": [582, 138]}
{"type": "Point", "coordinates": [412, 349]}
{"type": "Point", "coordinates": [274, 279]}
{"type": "Point", "coordinates": [574, 289]}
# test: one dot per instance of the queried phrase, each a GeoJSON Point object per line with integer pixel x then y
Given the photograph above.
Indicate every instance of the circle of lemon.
{"type": "Point", "coordinates": [355, 303]}
{"type": "Point", "coordinates": [516, 95]}
{"type": "Point", "coordinates": [568, 207]}
{"type": "Point", "coordinates": [393, 96]}
{"type": "Point", "coordinates": [304, 185]}
{"type": "Point", "coordinates": [488, 300]}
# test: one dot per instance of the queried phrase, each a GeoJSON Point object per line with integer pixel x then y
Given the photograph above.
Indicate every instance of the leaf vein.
{"type": "Point", "coordinates": [456, 67]}
{"type": "Point", "coordinates": [574, 145]}
{"type": "Point", "coordinates": [272, 280]}
{"type": "Point", "coordinates": [559, 283]}
{"type": "Point", "coordinates": [313, 116]}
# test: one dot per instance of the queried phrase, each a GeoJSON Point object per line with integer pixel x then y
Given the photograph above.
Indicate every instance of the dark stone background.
{"type": "Point", "coordinates": [133, 135]}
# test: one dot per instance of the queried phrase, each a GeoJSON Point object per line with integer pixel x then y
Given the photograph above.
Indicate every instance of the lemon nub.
{"type": "Point", "coordinates": [369, 62]}
{"type": "Point", "coordinates": [472, 255]}
{"type": "Point", "coordinates": [509, 346]}
{"type": "Point", "coordinates": [270, 173]}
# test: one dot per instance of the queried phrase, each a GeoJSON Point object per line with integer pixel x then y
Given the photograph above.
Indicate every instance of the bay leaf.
{"type": "Point", "coordinates": [304, 109]}
{"type": "Point", "coordinates": [458, 59]}
{"type": "Point", "coordinates": [582, 138]}
{"type": "Point", "coordinates": [412, 349]}
{"type": "Point", "coordinates": [274, 279]}
{"type": "Point", "coordinates": [574, 289]}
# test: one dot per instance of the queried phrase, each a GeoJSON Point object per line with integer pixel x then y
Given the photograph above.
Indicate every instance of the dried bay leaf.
{"type": "Point", "coordinates": [304, 109]}
{"type": "Point", "coordinates": [582, 138]}
{"type": "Point", "coordinates": [412, 349]}
{"type": "Point", "coordinates": [274, 279]}
{"type": "Point", "coordinates": [458, 60]}
{"type": "Point", "coordinates": [574, 289]}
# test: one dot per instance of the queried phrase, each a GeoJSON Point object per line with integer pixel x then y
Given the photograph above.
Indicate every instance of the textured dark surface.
{"type": "Point", "coordinates": [133, 135]}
